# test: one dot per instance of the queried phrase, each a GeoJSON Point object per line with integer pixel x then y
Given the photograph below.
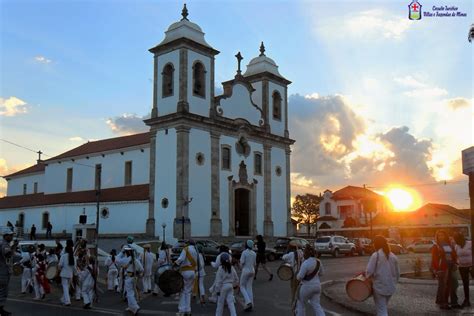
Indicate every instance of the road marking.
{"type": "Point", "coordinates": [94, 309]}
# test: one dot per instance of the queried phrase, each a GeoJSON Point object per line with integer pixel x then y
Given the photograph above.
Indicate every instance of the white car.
{"type": "Point", "coordinates": [334, 245]}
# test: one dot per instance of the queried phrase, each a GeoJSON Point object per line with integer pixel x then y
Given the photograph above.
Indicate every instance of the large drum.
{"type": "Point", "coordinates": [52, 270]}
{"type": "Point", "coordinates": [17, 269]}
{"type": "Point", "coordinates": [169, 281]}
{"type": "Point", "coordinates": [285, 272]}
{"type": "Point", "coordinates": [359, 288]}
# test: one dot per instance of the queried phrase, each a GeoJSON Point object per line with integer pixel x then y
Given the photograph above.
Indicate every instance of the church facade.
{"type": "Point", "coordinates": [210, 165]}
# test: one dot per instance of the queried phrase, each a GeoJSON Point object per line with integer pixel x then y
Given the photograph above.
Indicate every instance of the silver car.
{"type": "Point", "coordinates": [334, 245]}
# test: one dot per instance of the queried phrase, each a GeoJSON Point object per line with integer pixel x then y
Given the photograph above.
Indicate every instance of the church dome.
{"type": "Point", "coordinates": [261, 64]}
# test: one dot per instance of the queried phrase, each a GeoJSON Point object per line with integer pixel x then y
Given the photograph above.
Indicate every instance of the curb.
{"type": "Point", "coordinates": [342, 304]}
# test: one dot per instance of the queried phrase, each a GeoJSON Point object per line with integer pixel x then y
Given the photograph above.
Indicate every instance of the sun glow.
{"type": "Point", "coordinates": [403, 200]}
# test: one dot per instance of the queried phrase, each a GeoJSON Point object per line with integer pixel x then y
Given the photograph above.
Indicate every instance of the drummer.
{"type": "Point", "coordinates": [187, 261]}
{"type": "Point", "coordinates": [27, 262]}
{"type": "Point", "coordinates": [294, 257]}
{"type": "Point", "coordinates": [132, 269]}
{"type": "Point", "coordinates": [310, 289]}
{"type": "Point", "coordinates": [164, 258]}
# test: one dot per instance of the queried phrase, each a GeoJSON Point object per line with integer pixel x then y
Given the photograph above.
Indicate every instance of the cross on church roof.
{"type": "Point", "coordinates": [39, 152]}
{"type": "Point", "coordinates": [184, 13]}
{"type": "Point", "coordinates": [262, 49]}
{"type": "Point", "coordinates": [239, 59]}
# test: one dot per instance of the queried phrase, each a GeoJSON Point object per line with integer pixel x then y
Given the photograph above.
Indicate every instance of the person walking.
{"type": "Point", "coordinates": [147, 260]}
{"type": "Point", "coordinates": [262, 257]}
{"type": "Point", "coordinates": [384, 270]}
{"type": "Point", "coordinates": [216, 264]}
{"type": "Point", "coordinates": [7, 254]}
{"type": "Point", "coordinates": [463, 250]}
{"type": "Point", "coordinates": [49, 229]}
{"type": "Point", "coordinates": [248, 259]}
{"type": "Point", "coordinates": [164, 259]}
{"type": "Point", "coordinates": [27, 262]}
{"type": "Point", "coordinates": [226, 281]}
{"type": "Point", "coordinates": [132, 270]}
{"type": "Point", "coordinates": [295, 258]}
{"type": "Point", "coordinates": [310, 288]}
{"type": "Point", "coordinates": [66, 267]}
{"type": "Point", "coordinates": [33, 232]}
{"type": "Point", "coordinates": [199, 290]}
{"type": "Point", "coordinates": [187, 261]}
{"type": "Point", "coordinates": [112, 271]}
{"type": "Point", "coordinates": [88, 279]}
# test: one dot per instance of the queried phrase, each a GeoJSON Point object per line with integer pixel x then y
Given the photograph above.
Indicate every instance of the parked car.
{"type": "Point", "coordinates": [363, 246]}
{"type": "Point", "coordinates": [421, 246]}
{"type": "Point", "coordinates": [395, 246]}
{"type": "Point", "coordinates": [334, 245]}
{"type": "Point", "coordinates": [281, 244]}
{"type": "Point", "coordinates": [210, 249]}
{"type": "Point", "coordinates": [238, 246]}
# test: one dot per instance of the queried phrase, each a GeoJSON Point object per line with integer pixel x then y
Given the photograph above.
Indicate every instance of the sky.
{"type": "Point", "coordinates": [375, 99]}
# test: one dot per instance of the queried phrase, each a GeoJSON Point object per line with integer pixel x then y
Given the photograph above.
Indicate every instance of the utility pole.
{"type": "Point", "coordinates": [97, 194]}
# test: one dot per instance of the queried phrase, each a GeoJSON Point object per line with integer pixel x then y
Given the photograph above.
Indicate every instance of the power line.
{"type": "Point", "coordinates": [418, 184]}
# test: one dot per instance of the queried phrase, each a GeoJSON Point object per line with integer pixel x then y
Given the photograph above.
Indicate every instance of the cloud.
{"type": "Point", "coordinates": [42, 60]}
{"type": "Point", "coordinates": [5, 170]}
{"type": "Point", "coordinates": [458, 103]}
{"type": "Point", "coordinates": [77, 139]}
{"type": "Point", "coordinates": [12, 106]}
{"type": "Point", "coordinates": [127, 124]}
{"type": "Point", "coordinates": [419, 89]}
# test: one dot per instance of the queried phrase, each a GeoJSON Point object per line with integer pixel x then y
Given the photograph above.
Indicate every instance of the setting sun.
{"type": "Point", "coordinates": [401, 199]}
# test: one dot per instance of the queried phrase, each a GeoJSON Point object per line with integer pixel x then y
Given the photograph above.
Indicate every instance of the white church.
{"type": "Point", "coordinates": [213, 165]}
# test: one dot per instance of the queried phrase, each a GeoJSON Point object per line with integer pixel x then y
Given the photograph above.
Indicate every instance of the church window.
{"type": "Point", "coordinates": [44, 220]}
{"type": "Point", "coordinates": [167, 81]}
{"type": "Point", "coordinates": [327, 208]}
{"type": "Point", "coordinates": [98, 174]}
{"type": "Point", "coordinates": [128, 173]}
{"type": "Point", "coordinates": [278, 171]}
{"type": "Point", "coordinates": [35, 187]}
{"type": "Point", "coordinates": [200, 159]}
{"type": "Point", "coordinates": [24, 188]}
{"type": "Point", "coordinates": [226, 162]}
{"type": "Point", "coordinates": [69, 180]}
{"type": "Point", "coordinates": [276, 105]}
{"type": "Point", "coordinates": [258, 163]}
{"type": "Point", "coordinates": [199, 80]}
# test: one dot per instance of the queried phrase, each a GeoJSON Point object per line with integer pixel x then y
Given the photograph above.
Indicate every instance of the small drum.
{"type": "Point", "coordinates": [359, 288]}
{"type": "Point", "coordinates": [17, 269]}
{"type": "Point", "coordinates": [52, 270]}
{"type": "Point", "coordinates": [170, 282]}
{"type": "Point", "coordinates": [285, 272]}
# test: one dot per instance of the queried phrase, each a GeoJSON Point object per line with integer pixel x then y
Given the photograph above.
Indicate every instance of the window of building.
{"type": "Point", "coordinates": [98, 176]}
{"type": "Point", "coordinates": [35, 187]}
{"type": "Point", "coordinates": [276, 105]}
{"type": "Point", "coordinates": [167, 81]}
{"type": "Point", "coordinates": [226, 162]}
{"type": "Point", "coordinates": [128, 173]}
{"type": "Point", "coordinates": [327, 208]}
{"type": "Point", "coordinates": [45, 220]}
{"type": "Point", "coordinates": [69, 180]}
{"type": "Point", "coordinates": [21, 219]}
{"type": "Point", "coordinates": [24, 188]}
{"type": "Point", "coordinates": [258, 163]}
{"type": "Point", "coordinates": [199, 80]}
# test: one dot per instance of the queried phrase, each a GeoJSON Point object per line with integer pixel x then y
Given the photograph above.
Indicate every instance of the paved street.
{"type": "Point", "coordinates": [270, 297]}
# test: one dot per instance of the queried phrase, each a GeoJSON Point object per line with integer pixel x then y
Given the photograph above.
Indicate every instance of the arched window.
{"type": "Point", "coordinates": [21, 219]}
{"type": "Point", "coordinates": [45, 220]}
{"type": "Point", "coordinates": [258, 164]}
{"type": "Point", "coordinates": [276, 105]}
{"type": "Point", "coordinates": [327, 208]}
{"type": "Point", "coordinates": [199, 80]}
{"type": "Point", "coordinates": [167, 80]}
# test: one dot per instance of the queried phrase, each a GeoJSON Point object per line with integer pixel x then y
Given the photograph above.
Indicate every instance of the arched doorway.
{"type": "Point", "coordinates": [242, 212]}
{"type": "Point", "coordinates": [21, 220]}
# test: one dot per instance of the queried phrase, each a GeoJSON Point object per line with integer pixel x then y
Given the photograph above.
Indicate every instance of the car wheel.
{"type": "Point", "coordinates": [335, 253]}
{"type": "Point", "coordinates": [271, 257]}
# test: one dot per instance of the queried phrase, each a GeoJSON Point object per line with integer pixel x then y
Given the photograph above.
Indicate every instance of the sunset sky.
{"type": "Point", "coordinates": [376, 99]}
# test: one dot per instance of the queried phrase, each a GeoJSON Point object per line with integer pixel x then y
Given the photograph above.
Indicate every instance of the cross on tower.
{"type": "Point", "coordinates": [239, 59]}
{"type": "Point", "coordinates": [184, 13]}
{"type": "Point", "coordinates": [39, 152]}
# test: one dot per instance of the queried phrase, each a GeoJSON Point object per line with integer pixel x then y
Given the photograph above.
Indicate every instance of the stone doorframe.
{"type": "Point", "coordinates": [252, 188]}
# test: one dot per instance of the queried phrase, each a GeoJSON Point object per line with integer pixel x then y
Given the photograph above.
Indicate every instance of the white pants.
{"type": "Point", "coordinates": [226, 296]}
{"type": "Point", "coordinates": [185, 296]}
{"type": "Point", "coordinates": [65, 283]}
{"type": "Point", "coordinates": [131, 299]}
{"type": "Point", "coordinates": [112, 279]}
{"type": "Point", "coordinates": [202, 290]}
{"type": "Point", "coordinates": [246, 281]}
{"type": "Point", "coordinates": [26, 279]}
{"type": "Point", "coordinates": [312, 294]}
{"type": "Point", "coordinates": [146, 283]}
{"type": "Point", "coordinates": [381, 304]}
{"type": "Point", "coordinates": [87, 294]}
{"type": "Point", "coordinates": [39, 291]}
{"type": "Point", "coordinates": [77, 289]}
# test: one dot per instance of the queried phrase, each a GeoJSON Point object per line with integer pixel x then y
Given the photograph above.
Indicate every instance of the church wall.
{"type": "Point", "coordinates": [165, 181]}
{"type": "Point", "coordinates": [200, 182]}
{"type": "Point", "coordinates": [199, 105]}
{"type": "Point", "coordinates": [15, 185]}
{"type": "Point", "coordinates": [168, 105]}
{"type": "Point", "coordinates": [240, 106]}
{"type": "Point", "coordinates": [277, 126]}
{"type": "Point", "coordinates": [279, 206]}
{"type": "Point", "coordinates": [113, 171]}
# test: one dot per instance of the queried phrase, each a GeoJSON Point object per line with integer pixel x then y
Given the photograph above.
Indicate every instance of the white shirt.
{"type": "Point", "coordinates": [223, 277]}
{"type": "Point", "coordinates": [202, 264]}
{"type": "Point", "coordinates": [290, 258]}
{"type": "Point", "coordinates": [127, 264]}
{"type": "Point", "coordinates": [163, 257]}
{"type": "Point", "coordinates": [147, 259]}
{"type": "Point", "coordinates": [464, 254]}
{"type": "Point", "coordinates": [385, 272]}
{"type": "Point", "coordinates": [216, 264]}
{"type": "Point", "coordinates": [183, 261]}
{"type": "Point", "coordinates": [307, 267]}
{"type": "Point", "coordinates": [248, 260]}
{"type": "Point", "coordinates": [111, 265]}
{"type": "Point", "coordinates": [67, 270]}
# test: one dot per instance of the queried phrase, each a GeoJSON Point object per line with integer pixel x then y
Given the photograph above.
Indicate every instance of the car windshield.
{"type": "Point", "coordinates": [323, 239]}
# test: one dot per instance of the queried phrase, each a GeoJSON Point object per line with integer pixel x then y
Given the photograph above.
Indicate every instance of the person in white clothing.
{"type": "Point", "coordinates": [226, 281]}
{"type": "Point", "coordinates": [187, 261]}
{"type": "Point", "coordinates": [132, 270]}
{"type": "Point", "coordinates": [248, 260]}
{"type": "Point", "coordinates": [216, 264]}
{"type": "Point", "coordinates": [87, 276]}
{"type": "Point", "coordinates": [112, 271]}
{"type": "Point", "coordinates": [27, 262]}
{"type": "Point", "coordinates": [463, 250]}
{"type": "Point", "coordinates": [201, 273]}
{"type": "Point", "coordinates": [147, 259]}
{"type": "Point", "coordinates": [164, 258]}
{"type": "Point", "coordinates": [310, 289]}
{"type": "Point", "coordinates": [384, 270]}
{"type": "Point", "coordinates": [294, 257]}
{"type": "Point", "coordinates": [66, 268]}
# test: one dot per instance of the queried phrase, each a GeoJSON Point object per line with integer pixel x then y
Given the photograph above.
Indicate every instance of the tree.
{"type": "Point", "coordinates": [306, 208]}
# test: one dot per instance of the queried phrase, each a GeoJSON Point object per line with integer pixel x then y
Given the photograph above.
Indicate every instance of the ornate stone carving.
{"type": "Point", "coordinates": [243, 177]}
{"type": "Point", "coordinates": [242, 147]}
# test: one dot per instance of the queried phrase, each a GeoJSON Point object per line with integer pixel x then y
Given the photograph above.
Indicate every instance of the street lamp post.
{"type": "Point", "coordinates": [164, 228]}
